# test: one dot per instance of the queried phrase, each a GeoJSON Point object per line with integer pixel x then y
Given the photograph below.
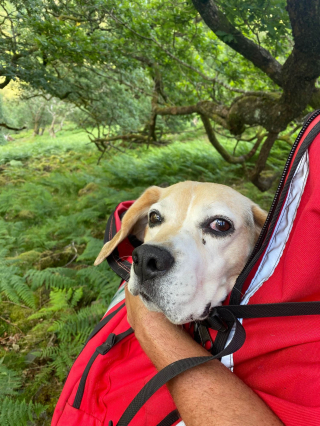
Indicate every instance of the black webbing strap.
{"type": "Point", "coordinates": [103, 349]}
{"type": "Point", "coordinates": [178, 367]}
{"type": "Point", "coordinates": [170, 418]}
{"type": "Point", "coordinates": [103, 322]}
{"type": "Point", "coordinates": [273, 309]}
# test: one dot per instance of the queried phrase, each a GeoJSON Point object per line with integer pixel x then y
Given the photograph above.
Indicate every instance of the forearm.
{"type": "Point", "coordinates": [205, 395]}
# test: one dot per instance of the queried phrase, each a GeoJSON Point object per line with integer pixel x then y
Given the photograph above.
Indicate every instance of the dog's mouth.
{"type": "Point", "coordinates": [145, 297]}
{"type": "Point", "coordinates": [206, 311]}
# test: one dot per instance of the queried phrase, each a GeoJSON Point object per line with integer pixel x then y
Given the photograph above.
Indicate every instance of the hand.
{"type": "Point", "coordinates": [134, 306]}
{"type": "Point", "coordinates": [137, 313]}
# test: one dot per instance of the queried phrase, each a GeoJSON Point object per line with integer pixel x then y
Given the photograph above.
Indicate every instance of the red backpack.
{"type": "Point", "coordinates": [270, 309]}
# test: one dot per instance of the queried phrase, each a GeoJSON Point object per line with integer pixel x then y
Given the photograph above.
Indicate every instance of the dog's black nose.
{"type": "Point", "coordinates": [151, 261]}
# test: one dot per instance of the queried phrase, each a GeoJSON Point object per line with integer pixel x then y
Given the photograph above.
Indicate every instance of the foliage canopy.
{"type": "Point", "coordinates": [245, 68]}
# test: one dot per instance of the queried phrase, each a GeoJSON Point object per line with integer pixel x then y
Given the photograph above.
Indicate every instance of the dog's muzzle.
{"type": "Point", "coordinates": [150, 262]}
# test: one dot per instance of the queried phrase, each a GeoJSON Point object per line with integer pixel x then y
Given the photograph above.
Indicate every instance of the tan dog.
{"type": "Point", "coordinates": [197, 238]}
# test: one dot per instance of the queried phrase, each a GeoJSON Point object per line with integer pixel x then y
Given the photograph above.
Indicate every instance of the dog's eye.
{"type": "Point", "coordinates": [217, 226]}
{"type": "Point", "coordinates": [220, 225]}
{"type": "Point", "coordinates": [154, 218]}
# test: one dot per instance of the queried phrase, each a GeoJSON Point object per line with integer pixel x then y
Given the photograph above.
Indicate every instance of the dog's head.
{"type": "Point", "coordinates": [196, 240]}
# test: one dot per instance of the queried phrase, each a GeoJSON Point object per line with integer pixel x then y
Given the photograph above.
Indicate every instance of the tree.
{"type": "Point", "coordinates": [296, 77]}
{"type": "Point", "coordinates": [247, 69]}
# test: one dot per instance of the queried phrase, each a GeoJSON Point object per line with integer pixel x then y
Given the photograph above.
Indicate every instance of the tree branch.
{"type": "Point", "coordinates": [14, 60]}
{"type": "Point", "coordinates": [128, 137]}
{"type": "Point", "coordinates": [219, 24]}
{"type": "Point", "coordinates": [302, 67]}
{"type": "Point", "coordinates": [222, 151]}
{"type": "Point", "coordinates": [264, 183]}
{"type": "Point", "coordinates": [5, 82]}
{"type": "Point", "coordinates": [12, 128]}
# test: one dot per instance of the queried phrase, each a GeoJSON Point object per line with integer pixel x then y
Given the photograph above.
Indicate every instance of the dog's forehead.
{"type": "Point", "coordinates": [205, 198]}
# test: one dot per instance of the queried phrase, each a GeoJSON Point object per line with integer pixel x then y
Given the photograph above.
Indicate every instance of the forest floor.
{"type": "Point", "coordinates": [54, 205]}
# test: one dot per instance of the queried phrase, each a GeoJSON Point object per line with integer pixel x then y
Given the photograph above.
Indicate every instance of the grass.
{"type": "Point", "coordinates": [54, 204]}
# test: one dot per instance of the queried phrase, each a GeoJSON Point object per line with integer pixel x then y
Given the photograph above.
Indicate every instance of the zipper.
{"type": "Point", "coordinates": [103, 349]}
{"type": "Point", "coordinates": [265, 227]}
{"type": "Point", "coordinates": [280, 186]}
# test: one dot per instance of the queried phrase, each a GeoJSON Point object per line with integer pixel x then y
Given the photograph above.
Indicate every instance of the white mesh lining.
{"type": "Point", "coordinates": [118, 297]}
{"type": "Point", "coordinates": [278, 240]}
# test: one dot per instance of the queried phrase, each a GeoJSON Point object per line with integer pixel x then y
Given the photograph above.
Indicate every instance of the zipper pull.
{"type": "Point", "coordinates": [107, 345]}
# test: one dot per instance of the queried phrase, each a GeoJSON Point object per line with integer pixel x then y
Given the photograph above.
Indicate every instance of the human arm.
{"type": "Point", "coordinates": [205, 395]}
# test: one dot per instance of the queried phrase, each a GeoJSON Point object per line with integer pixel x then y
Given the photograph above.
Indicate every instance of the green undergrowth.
{"type": "Point", "coordinates": [54, 204]}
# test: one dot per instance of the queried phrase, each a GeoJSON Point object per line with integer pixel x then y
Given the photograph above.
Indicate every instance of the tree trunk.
{"type": "Point", "coordinates": [37, 118]}
{"type": "Point", "coordinates": [264, 183]}
{"type": "Point", "coordinates": [52, 132]}
{"type": "Point", "coordinates": [36, 126]}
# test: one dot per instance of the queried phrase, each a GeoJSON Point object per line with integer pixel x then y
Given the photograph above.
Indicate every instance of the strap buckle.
{"type": "Point", "coordinates": [107, 345]}
{"type": "Point", "coordinates": [215, 322]}
{"type": "Point", "coordinates": [202, 335]}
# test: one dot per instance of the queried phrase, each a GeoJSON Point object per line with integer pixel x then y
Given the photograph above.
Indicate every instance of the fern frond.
{"type": "Point", "coordinates": [44, 376]}
{"type": "Point", "coordinates": [10, 381]}
{"type": "Point", "coordinates": [15, 287]}
{"type": "Point", "coordinates": [52, 278]}
{"type": "Point", "coordinates": [63, 359]}
{"type": "Point", "coordinates": [58, 302]}
{"type": "Point", "coordinates": [79, 324]}
{"type": "Point", "coordinates": [76, 297]}
{"type": "Point", "coordinates": [14, 413]}
{"type": "Point", "coordinates": [66, 183]}
{"type": "Point", "coordinates": [92, 249]}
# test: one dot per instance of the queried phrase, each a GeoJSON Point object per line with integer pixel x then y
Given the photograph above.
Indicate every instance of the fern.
{"type": "Point", "coordinates": [44, 377]}
{"type": "Point", "coordinates": [62, 357]}
{"type": "Point", "coordinates": [14, 413]}
{"type": "Point", "coordinates": [15, 201]}
{"type": "Point", "coordinates": [92, 249]}
{"type": "Point", "coordinates": [61, 278]}
{"type": "Point", "coordinates": [58, 302]}
{"type": "Point", "coordinates": [79, 324]}
{"type": "Point", "coordinates": [76, 297]}
{"type": "Point", "coordinates": [66, 183]}
{"type": "Point", "coordinates": [14, 286]}
{"type": "Point", "coordinates": [10, 381]}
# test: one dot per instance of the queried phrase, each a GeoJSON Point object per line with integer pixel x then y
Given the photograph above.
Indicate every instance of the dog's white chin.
{"type": "Point", "coordinates": [172, 317]}
{"type": "Point", "coordinates": [149, 304]}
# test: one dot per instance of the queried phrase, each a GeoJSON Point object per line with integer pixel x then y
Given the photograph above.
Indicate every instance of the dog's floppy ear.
{"type": "Point", "coordinates": [259, 216]}
{"type": "Point", "coordinates": [134, 221]}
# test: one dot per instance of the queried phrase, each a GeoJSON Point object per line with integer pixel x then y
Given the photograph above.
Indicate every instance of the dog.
{"type": "Point", "coordinates": [196, 238]}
